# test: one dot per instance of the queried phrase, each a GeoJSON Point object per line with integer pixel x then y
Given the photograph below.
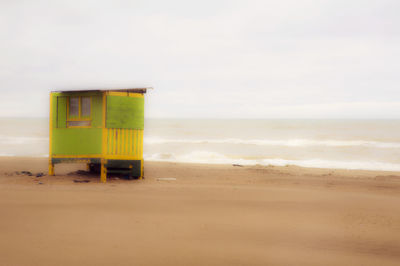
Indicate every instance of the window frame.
{"type": "Point", "coordinates": [79, 117]}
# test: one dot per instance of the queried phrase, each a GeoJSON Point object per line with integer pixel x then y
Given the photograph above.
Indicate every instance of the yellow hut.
{"type": "Point", "coordinates": [103, 128]}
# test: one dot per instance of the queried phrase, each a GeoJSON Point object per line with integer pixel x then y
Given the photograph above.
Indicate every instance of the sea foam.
{"type": "Point", "coordinates": [207, 157]}
{"type": "Point", "coordinates": [270, 142]}
{"type": "Point", "coordinates": [18, 140]}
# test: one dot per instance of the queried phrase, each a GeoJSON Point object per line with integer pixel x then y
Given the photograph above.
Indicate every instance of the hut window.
{"type": "Point", "coordinates": [74, 107]}
{"type": "Point", "coordinates": [79, 111]}
{"type": "Point", "coordinates": [79, 123]}
{"type": "Point", "coordinates": [86, 102]}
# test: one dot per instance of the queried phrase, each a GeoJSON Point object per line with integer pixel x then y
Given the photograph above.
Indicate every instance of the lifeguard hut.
{"type": "Point", "coordinates": [103, 128]}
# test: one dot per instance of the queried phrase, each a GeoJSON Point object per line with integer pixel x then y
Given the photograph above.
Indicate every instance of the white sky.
{"type": "Point", "coordinates": [209, 58]}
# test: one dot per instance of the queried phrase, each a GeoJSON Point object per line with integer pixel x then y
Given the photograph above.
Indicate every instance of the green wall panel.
{"type": "Point", "coordinates": [76, 141]}
{"type": "Point", "coordinates": [125, 112]}
{"type": "Point", "coordinates": [61, 112]}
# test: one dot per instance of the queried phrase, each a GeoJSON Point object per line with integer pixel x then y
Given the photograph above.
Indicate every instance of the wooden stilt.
{"type": "Point", "coordinates": [51, 168]}
{"type": "Point", "coordinates": [103, 173]}
{"type": "Point", "coordinates": [141, 170]}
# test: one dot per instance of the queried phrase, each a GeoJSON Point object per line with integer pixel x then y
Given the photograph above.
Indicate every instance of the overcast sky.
{"type": "Point", "coordinates": [209, 58]}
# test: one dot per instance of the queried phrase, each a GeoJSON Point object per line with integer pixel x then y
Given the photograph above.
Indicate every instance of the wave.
{"type": "Point", "coordinates": [12, 140]}
{"type": "Point", "coordinates": [288, 143]}
{"type": "Point", "coordinates": [7, 155]}
{"type": "Point", "coordinates": [24, 155]}
{"type": "Point", "coordinates": [216, 158]}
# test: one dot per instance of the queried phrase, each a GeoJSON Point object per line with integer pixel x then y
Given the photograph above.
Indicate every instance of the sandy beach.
{"type": "Point", "coordinates": [193, 214]}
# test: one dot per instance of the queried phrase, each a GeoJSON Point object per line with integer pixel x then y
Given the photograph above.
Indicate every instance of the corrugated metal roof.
{"type": "Point", "coordinates": [121, 89]}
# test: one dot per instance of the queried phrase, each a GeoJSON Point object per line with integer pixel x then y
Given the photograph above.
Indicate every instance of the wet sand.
{"type": "Point", "coordinates": [209, 215]}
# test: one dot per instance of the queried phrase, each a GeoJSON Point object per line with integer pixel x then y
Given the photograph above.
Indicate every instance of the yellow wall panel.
{"type": "Point", "coordinates": [125, 142]}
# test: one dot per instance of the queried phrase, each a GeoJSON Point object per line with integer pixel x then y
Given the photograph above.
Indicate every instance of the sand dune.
{"type": "Point", "coordinates": [209, 215]}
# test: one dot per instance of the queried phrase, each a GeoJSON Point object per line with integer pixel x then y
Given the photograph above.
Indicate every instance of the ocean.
{"type": "Point", "coordinates": [345, 144]}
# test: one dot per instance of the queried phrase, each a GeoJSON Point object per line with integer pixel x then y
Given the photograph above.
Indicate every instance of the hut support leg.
{"type": "Point", "coordinates": [141, 170]}
{"type": "Point", "coordinates": [51, 168]}
{"type": "Point", "coordinates": [103, 173]}
{"type": "Point", "coordinates": [88, 167]}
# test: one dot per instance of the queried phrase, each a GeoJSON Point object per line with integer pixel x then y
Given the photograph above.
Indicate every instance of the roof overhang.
{"type": "Point", "coordinates": [136, 90]}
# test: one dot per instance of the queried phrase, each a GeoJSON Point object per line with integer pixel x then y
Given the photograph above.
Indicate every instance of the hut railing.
{"type": "Point", "coordinates": [125, 142]}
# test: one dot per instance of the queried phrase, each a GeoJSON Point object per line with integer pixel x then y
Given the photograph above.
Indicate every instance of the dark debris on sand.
{"type": "Point", "coordinates": [28, 173]}
{"type": "Point", "coordinates": [81, 181]}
